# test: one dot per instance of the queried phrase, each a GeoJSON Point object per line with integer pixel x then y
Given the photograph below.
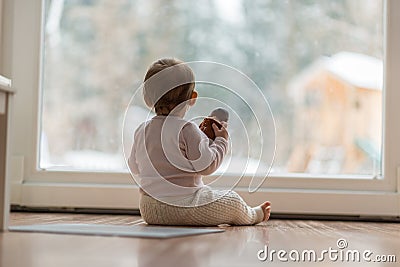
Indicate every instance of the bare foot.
{"type": "Point", "coordinates": [266, 207]}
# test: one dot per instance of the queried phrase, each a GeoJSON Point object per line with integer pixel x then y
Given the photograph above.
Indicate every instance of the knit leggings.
{"type": "Point", "coordinates": [223, 207]}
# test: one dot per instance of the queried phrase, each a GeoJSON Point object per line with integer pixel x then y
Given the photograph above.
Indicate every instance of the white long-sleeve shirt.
{"type": "Point", "coordinates": [169, 156]}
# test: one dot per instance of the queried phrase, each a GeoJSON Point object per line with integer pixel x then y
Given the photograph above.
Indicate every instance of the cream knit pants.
{"type": "Point", "coordinates": [223, 207]}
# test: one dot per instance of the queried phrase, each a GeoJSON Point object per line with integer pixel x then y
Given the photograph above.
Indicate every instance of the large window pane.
{"type": "Point", "coordinates": [319, 63]}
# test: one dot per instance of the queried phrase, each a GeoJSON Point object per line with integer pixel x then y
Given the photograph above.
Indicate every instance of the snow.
{"type": "Point", "coordinates": [357, 69]}
{"type": "Point", "coordinates": [230, 11]}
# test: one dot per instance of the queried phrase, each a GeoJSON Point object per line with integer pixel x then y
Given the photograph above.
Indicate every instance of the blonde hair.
{"type": "Point", "coordinates": [173, 85]}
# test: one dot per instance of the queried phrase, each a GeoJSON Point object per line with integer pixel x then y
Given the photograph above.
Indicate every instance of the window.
{"type": "Point", "coordinates": [318, 63]}
{"type": "Point", "coordinates": [328, 68]}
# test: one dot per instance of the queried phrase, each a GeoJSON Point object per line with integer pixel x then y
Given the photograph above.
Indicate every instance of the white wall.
{"type": "Point", "coordinates": [1, 35]}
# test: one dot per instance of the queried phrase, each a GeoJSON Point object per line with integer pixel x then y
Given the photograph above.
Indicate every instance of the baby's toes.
{"type": "Point", "coordinates": [267, 213]}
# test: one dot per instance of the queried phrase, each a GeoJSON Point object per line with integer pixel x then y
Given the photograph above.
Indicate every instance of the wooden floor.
{"type": "Point", "coordinates": [237, 246]}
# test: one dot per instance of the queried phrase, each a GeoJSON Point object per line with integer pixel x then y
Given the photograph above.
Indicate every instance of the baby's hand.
{"type": "Point", "coordinates": [223, 132]}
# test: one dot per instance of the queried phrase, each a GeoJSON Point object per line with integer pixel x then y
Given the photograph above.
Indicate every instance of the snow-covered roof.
{"type": "Point", "coordinates": [357, 69]}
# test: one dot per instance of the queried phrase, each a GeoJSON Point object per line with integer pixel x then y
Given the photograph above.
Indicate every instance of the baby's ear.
{"type": "Point", "coordinates": [192, 100]}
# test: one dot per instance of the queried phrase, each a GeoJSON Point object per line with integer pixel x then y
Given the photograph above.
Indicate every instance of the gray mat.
{"type": "Point", "coordinates": [144, 231]}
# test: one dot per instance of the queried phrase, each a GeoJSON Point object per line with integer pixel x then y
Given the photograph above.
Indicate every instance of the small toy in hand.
{"type": "Point", "coordinates": [217, 116]}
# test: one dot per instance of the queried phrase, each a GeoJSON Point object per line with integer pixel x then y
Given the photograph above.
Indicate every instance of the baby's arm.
{"type": "Point", "coordinates": [205, 157]}
{"type": "Point", "coordinates": [132, 163]}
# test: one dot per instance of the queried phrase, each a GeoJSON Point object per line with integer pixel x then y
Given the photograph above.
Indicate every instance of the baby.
{"type": "Point", "coordinates": [170, 155]}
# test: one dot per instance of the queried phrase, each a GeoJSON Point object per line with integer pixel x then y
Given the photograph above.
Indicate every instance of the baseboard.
{"type": "Point", "coordinates": [18, 208]}
{"type": "Point", "coordinates": [136, 212]}
{"type": "Point", "coordinates": [328, 217]}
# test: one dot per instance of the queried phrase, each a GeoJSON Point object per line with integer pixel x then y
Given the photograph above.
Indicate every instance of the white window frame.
{"type": "Point", "coordinates": [341, 195]}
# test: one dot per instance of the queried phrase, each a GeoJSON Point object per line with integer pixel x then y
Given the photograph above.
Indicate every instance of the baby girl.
{"type": "Point", "coordinates": [170, 155]}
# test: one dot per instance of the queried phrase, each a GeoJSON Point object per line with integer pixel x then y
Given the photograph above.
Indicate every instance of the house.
{"type": "Point", "coordinates": [338, 117]}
